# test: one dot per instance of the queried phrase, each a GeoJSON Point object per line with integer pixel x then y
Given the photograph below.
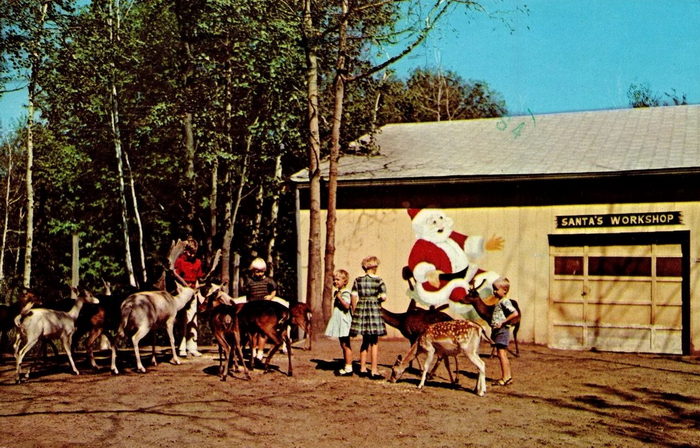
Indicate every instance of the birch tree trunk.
{"type": "Point", "coordinates": [331, 218]}
{"type": "Point", "coordinates": [75, 264]}
{"type": "Point", "coordinates": [29, 183]}
{"type": "Point", "coordinates": [257, 222]}
{"type": "Point", "coordinates": [232, 208]}
{"type": "Point", "coordinates": [137, 216]}
{"type": "Point", "coordinates": [29, 232]}
{"type": "Point", "coordinates": [274, 212]}
{"type": "Point", "coordinates": [313, 283]}
{"type": "Point", "coordinates": [189, 166]}
{"type": "Point", "coordinates": [226, 249]}
{"type": "Point", "coordinates": [213, 208]}
{"type": "Point", "coordinates": [114, 24]}
{"type": "Point", "coordinates": [6, 218]}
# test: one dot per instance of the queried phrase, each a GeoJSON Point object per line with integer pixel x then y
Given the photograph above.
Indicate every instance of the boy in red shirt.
{"type": "Point", "coordinates": [189, 268]}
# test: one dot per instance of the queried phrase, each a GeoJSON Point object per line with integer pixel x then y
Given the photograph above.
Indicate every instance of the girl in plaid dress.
{"type": "Point", "coordinates": [368, 292]}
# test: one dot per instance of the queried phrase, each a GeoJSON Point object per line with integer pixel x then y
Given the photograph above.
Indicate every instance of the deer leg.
{"type": "Point", "coordinates": [277, 342]}
{"type": "Point", "coordinates": [113, 365]}
{"type": "Point", "coordinates": [446, 358]}
{"type": "Point", "coordinates": [223, 361]}
{"type": "Point", "coordinates": [237, 346]}
{"type": "Point", "coordinates": [227, 362]}
{"type": "Point", "coordinates": [92, 337]}
{"type": "Point", "coordinates": [426, 366]}
{"type": "Point", "coordinates": [66, 339]}
{"type": "Point", "coordinates": [472, 353]}
{"type": "Point", "coordinates": [456, 380]}
{"type": "Point", "coordinates": [431, 375]}
{"type": "Point", "coordinates": [135, 339]}
{"type": "Point", "coordinates": [169, 327]}
{"type": "Point", "coordinates": [20, 356]}
{"type": "Point", "coordinates": [288, 342]}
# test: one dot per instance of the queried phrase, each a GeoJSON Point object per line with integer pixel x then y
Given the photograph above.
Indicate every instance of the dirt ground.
{"type": "Point", "coordinates": [558, 399]}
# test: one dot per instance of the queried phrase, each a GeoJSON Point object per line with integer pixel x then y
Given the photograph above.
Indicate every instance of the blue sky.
{"type": "Point", "coordinates": [565, 55]}
{"type": "Point", "coordinates": [572, 55]}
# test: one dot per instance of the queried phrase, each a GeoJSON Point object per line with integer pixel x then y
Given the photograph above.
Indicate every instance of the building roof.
{"type": "Point", "coordinates": [566, 144]}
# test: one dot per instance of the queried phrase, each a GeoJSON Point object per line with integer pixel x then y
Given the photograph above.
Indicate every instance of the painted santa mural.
{"type": "Point", "coordinates": [444, 261]}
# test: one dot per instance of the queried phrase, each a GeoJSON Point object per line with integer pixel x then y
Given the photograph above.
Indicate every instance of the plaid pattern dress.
{"type": "Point", "coordinates": [367, 318]}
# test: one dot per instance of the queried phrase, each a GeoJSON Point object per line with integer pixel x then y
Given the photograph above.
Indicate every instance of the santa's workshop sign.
{"type": "Point", "coordinates": [619, 220]}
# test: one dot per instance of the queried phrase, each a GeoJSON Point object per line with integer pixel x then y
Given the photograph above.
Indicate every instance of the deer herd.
{"type": "Point", "coordinates": [234, 323]}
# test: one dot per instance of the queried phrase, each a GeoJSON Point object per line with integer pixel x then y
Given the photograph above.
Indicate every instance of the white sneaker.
{"type": "Point", "coordinates": [344, 372]}
{"type": "Point", "coordinates": [183, 354]}
{"type": "Point", "coordinates": [195, 353]}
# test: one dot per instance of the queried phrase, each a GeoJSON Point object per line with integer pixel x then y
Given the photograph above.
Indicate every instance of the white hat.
{"type": "Point", "coordinates": [258, 264]}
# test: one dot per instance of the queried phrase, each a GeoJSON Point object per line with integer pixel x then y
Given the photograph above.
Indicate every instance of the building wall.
{"type": "Point", "coordinates": [525, 259]}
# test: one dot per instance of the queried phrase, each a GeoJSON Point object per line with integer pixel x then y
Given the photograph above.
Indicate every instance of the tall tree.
{"type": "Point", "coordinates": [114, 19]}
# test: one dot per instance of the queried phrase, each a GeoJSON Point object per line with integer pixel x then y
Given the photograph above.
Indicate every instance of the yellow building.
{"type": "Point", "coordinates": [599, 211]}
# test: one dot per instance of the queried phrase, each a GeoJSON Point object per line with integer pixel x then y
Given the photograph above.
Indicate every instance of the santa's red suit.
{"type": "Point", "coordinates": [440, 248]}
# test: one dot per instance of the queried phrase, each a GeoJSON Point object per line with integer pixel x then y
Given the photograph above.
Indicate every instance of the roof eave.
{"type": "Point", "coordinates": [303, 183]}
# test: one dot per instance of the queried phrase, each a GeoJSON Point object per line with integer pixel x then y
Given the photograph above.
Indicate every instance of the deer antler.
{"type": "Point", "coordinates": [214, 263]}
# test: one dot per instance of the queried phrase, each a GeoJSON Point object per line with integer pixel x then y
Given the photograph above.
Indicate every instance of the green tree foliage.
{"type": "Point", "coordinates": [245, 78]}
{"type": "Point", "coordinates": [641, 95]}
{"type": "Point", "coordinates": [237, 67]}
{"type": "Point", "coordinates": [436, 95]}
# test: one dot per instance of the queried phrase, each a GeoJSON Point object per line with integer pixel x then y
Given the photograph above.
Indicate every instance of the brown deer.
{"type": "Point", "coordinates": [447, 339]}
{"type": "Point", "coordinates": [223, 321]}
{"type": "Point", "coordinates": [413, 323]}
{"type": "Point", "coordinates": [221, 310]}
{"type": "Point", "coordinates": [301, 318]}
{"type": "Point", "coordinates": [269, 319]}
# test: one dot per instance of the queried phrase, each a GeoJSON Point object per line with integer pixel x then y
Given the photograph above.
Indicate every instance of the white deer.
{"type": "Point", "coordinates": [446, 339]}
{"type": "Point", "coordinates": [144, 312]}
{"type": "Point", "coordinates": [33, 324]}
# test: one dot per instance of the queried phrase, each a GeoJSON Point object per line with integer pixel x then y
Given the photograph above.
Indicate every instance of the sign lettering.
{"type": "Point", "coordinates": [620, 220]}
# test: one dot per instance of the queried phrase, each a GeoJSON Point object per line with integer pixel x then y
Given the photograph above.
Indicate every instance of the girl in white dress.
{"type": "Point", "coordinates": [341, 319]}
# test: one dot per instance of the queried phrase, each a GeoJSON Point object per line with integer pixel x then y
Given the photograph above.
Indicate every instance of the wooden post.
{"type": "Point", "coordinates": [235, 271]}
{"type": "Point", "coordinates": [75, 265]}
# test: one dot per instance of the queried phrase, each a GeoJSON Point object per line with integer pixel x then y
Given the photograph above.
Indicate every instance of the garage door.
{"type": "Point", "coordinates": [625, 298]}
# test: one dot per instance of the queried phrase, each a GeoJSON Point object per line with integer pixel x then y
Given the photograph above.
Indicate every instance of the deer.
{"type": "Point", "coordinates": [268, 319]}
{"type": "Point", "coordinates": [301, 318]}
{"type": "Point", "coordinates": [224, 322]}
{"type": "Point", "coordinates": [448, 339]}
{"type": "Point", "coordinates": [221, 310]}
{"type": "Point", "coordinates": [486, 313]}
{"type": "Point", "coordinates": [8, 314]}
{"type": "Point", "coordinates": [414, 322]}
{"type": "Point", "coordinates": [34, 324]}
{"type": "Point", "coordinates": [144, 312]}
{"type": "Point", "coordinates": [101, 320]}
{"type": "Point", "coordinates": [471, 298]}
